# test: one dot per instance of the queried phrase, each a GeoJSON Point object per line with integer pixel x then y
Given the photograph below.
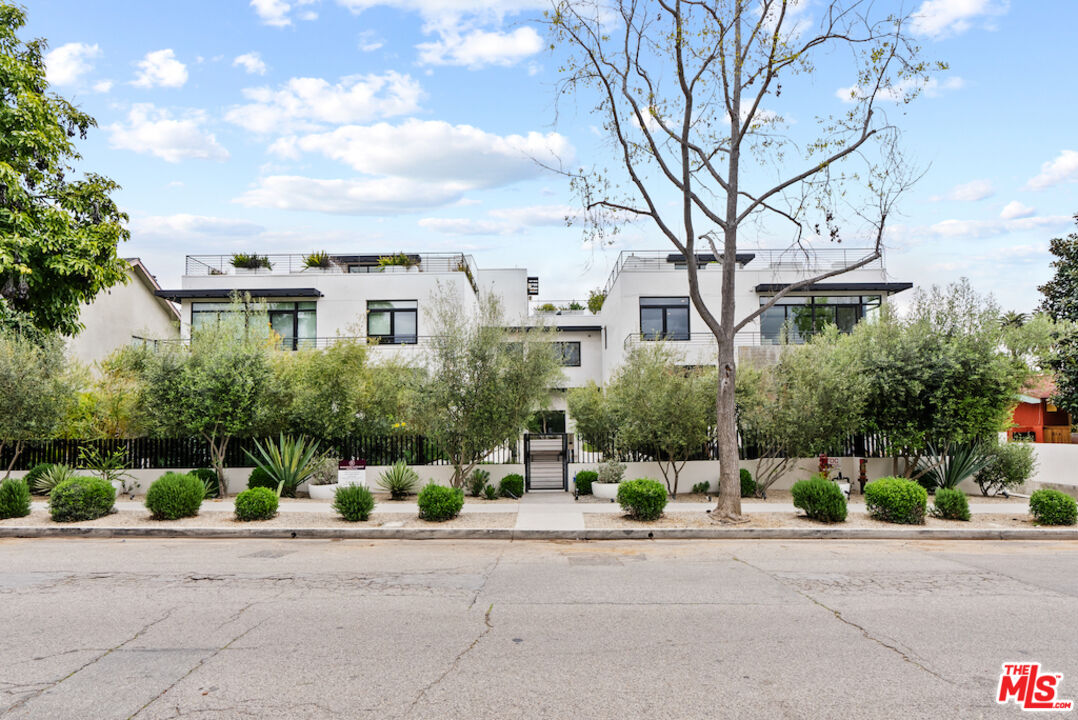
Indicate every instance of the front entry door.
{"type": "Point", "coordinates": [546, 461]}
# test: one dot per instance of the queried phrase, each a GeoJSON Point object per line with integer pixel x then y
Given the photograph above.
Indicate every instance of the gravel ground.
{"type": "Point", "coordinates": [210, 518]}
{"type": "Point", "coordinates": [784, 496]}
{"type": "Point", "coordinates": [796, 520]}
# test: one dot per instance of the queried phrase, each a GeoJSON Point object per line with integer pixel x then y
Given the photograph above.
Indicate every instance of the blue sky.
{"type": "Point", "coordinates": [378, 125]}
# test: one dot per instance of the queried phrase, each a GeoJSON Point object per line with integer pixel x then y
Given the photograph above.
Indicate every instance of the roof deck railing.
{"type": "Point", "coordinates": [760, 259]}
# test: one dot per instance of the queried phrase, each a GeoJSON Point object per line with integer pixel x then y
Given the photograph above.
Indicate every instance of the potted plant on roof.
{"type": "Point", "coordinates": [610, 474]}
{"type": "Point", "coordinates": [246, 264]}
{"type": "Point", "coordinates": [318, 262]}
{"type": "Point", "coordinates": [398, 262]}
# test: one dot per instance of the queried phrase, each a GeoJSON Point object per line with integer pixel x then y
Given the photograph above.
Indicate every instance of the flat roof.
{"type": "Point", "coordinates": [892, 287]}
{"type": "Point", "coordinates": [228, 292]}
{"type": "Point", "coordinates": [739, 258]}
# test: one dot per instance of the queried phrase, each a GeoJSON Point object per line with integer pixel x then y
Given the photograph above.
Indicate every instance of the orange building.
{"type": "Point", "coordinates": [1036, 418]}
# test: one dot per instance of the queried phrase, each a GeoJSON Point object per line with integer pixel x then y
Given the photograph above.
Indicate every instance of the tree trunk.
{"type": "Point", "coordinates": [217, 456]}
{"type": "Point", "coordinates": [729, 504]}
{"type": "Point", "coordinates": [10, 465]}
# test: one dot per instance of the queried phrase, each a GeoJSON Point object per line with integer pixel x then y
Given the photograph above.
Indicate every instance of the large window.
{"type": "Point", "coordinates": [568, 353]}
{"type": "Point", "coordinates": [392, 322]}
{"type": "Point", "coordinates": [796, 319]}
{"type": "Point", "coordinates": [664, 318]}
{"type": "Point", "coordinates": [294, 322]}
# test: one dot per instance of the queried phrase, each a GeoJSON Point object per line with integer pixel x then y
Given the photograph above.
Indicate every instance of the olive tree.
{"type": "Point", "coordinates": [693, 96]}
{"type": "Point", "coordinates": [36, 390]}
{"type": "Point", "coordinates": [484, 381]}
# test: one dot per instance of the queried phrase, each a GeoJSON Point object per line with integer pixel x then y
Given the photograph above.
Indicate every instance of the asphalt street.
{"type": "Point", "coordinates": [155, 629]}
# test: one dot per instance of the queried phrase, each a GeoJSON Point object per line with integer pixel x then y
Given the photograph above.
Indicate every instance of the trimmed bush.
{"type": "Point", "coordinates": [31, 477]}
{"type": "Point", "coordinates": [353, 503]}
{"type": "Point", "coordinates": [583, 480]}
{"type": "Point", "coordinates": [820, 498]}
{"type": "Point", "coordinates": [14, 499]}
{"type": "Point", "coordinates": [259, 478]}
{"type": "Point", "coordinates": [748, 485]}
{"type": "Point", "coordinates": [173, 496]}
{"type": "Point", "coordinates": [490, 492]}
{"type": "Point", "coordinates": [208, 476]}
{"type": "Point", "coordinates": [642, 499]}
{"type": "Point", "coordinates": [950, 504]}
{"type": "Point", "coordinates": [439, 503]}
{"type": "Point", "coordinates": [1052, 507]}
{"type": "Point", "coordinates": [896, 500]}
{"type": "Point", "coordinates": [81, 498]}
{"type": "Point", "coordinates": [512, 485]}
{"type": "Point", "coordinates": [399, 480]}
{"type": "Point", "coordinates": [477, 481]}
{"type": "Point", "coordinates": [702, 488]}
{"type": "Point", "coordinates": [259, 503]}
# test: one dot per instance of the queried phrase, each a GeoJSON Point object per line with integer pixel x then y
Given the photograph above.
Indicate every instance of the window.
{"type": "Point", "coordinates": [796, 319]}
{"type": "Point", "coordinates": [392, 321]}
{"type": "Point", "coordinates": [294, 322]}
{"type": "Point", "coordinates": [568, 353]}
{"type": "Point", "coordinates": [664, 318]}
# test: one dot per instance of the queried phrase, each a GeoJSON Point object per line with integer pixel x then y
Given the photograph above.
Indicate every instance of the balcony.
{"type": "Point", "coordinates": [777, 260]}
{"type": "Point", "coordinates": [319, 343]}
{"type": "Point", "coordinates": [696, 343]}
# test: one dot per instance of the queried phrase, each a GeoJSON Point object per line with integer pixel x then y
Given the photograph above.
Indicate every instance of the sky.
{"type": "Point", "coordinates": [385, 125]}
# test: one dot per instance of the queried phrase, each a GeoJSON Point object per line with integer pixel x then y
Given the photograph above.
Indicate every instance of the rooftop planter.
{"type": "Point", "coordinates": [398, 263]}
{"type": "Point", "coordinates": [318, 262]}
{"type": "Point", "coordinates": [244, 263]}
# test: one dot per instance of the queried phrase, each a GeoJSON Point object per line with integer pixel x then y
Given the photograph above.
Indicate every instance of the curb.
{"type": "Point", "coordinates": [377, 533]}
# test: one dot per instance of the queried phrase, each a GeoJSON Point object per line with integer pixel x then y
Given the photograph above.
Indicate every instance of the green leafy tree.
{"type": "Point", "coordinates": [36, 389]}
{"type": "Point", "coordinates": [695, 100]}
{"type": "Point", "coordinates": [215, 387]}
{"type": "Point", "coordinates": [596, 424]}
{"type": "Point", "coordinates": [1061, 304]}
{"type": "Point", "coordinates": [484, 382]}
{"type": "Point", "coordinates": [1033, 340]}
{"type": "Point", "coordinates": [58, 233]}
{"type": "Point", "coordinates": [661, 408]}
{"type": "Point", "coordinates": [318, 392]}
{"type": "Point", "coordinates": [108, 406]}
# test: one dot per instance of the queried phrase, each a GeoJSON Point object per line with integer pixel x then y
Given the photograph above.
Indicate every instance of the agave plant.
{"type": "Point", "coordinates": [950, 465]}
{"type": "Point", "coordinates": [51, 477]}
{"type": "Point", "coordinates": [399, 481]}
{"type": "Point", "coordinates": [289, 461]}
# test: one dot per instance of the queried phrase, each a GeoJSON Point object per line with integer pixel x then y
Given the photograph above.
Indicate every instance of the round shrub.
{"type": "Point", "coordinates": [81, 498]}
{"type": "Point", "coordinates": [440, 503]}
{"type": "Point", "coordinates": [748, 485]}
{"type": "Point", "coordinates": [259, 478]}
{"type": "Point", "coordinates": [820, 499]}
{"type": "Point", "coordinates": [951, 504]}
{"type": "Point", "coordinates": [477, 481]}
{"type": "Point", "coordinates": [896, 500]}
{"type": "Point", "coordinates": [512, 486]}
{"type": "Point", "coordinates": [353, 502]}
{"type": "Point", "coordinates": [583, 481]}
{"type": "Point", "coordinates": [14, 499]}
{"type": "Point", "coordinates": [256, 504]}
{"type": "Point", "coordinates": [1052, 507]}
{"type": "Point", "coordinates": [208, 476]}
{"type": "Point", "coordinates": [32, 476]}
{"type": "Point", "coordinates": [642, 499]}
{"type": "Point", "coordinates": [174, 495]}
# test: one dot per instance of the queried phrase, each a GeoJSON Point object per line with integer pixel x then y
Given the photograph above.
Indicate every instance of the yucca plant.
{"type": "Point", "coordinates": [289, 461]}
{"type": "Point", "coordinates": [399, 481]}
{"type": "Point", "coordinates": [318, 260]}
{"type": "Point", "coordinates": [953, 463]}
{"type": "Point", "coordinates": [51, 477]}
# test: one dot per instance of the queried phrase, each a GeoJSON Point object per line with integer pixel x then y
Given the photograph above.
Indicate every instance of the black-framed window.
{"type": "Point", "coordinates": [796, 319]}
{"type": "Point", "coordinates": [295, 323]}
{"type": "Point", "coordinates": [664, 318]}
{"type": "Point", "coordinates": [568, 352]}
{"type": "Point", "coordinates": [393, 322]}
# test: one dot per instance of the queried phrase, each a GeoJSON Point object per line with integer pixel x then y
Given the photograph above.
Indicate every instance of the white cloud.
{"type": "Point", "coordinates": [308, 103]}
{"type": "Point", "coordinates": [479, 48]}
{"type": "Point", "coordinates": [382, 196]}
{"type": "Point", "coordinates": [160, 68]}
{"type": "Point", "coordinates": [184, 226]}
{"type": "Point", "coordinates": [1063, 169]}
{"type": "Point", "coordinates": [435, 150]}
{"type": "Point", "coordinates": [155, 131]}
{"type": "Point", "coordinates": [103, 87]}
{"type": "Point", "coordinates": [940, 18]}
{"type": "Point", "coordinates": [971, 229]}
{"type": "Point", "coordinates": [504, 221]}
{"type": "Point", "coordinates": [67, 63]}
{"type": "Point", "coordinates": [1015, 210]}
{"type": "Point", "coordinates": [251, 62]}
{"type": "Point", "coordinates": [277, 12]}
{"type": "Point", "coordinates": [903, 90]}
{"type": "Point", "coordinates": [972, 191]}
{"type": "Point", "coordinates": [369, 41]}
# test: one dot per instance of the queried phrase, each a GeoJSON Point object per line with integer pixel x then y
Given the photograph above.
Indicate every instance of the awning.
{"type": "Point", "coordinates": [704, 258]}
{"type": "Point", "coordinates": [218, 293]}
{"type": "Point", "coordinates": [884, 287]}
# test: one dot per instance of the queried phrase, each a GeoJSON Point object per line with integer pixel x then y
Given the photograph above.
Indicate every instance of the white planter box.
{"type": "Point", "coordinates": [606, 491]}
{"type": "Point", "coordinates": [251, 271]}
{"type": "Point", "coordinates": [322, 492]}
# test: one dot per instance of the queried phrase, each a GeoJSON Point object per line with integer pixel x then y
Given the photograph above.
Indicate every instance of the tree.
{"type": "Point", "coordinates": [215, 387]}
{"type": "Point", "coordinates": [1061, 304]}
{"type": "Point", "coordinates": [1033, 340]}
{"type": "Point", "coordinates": [36, 388]}
{"type": "Point", "coordinates": [108, 405]}
{"type": "Point", "coordinates": [806, 404]}
{"type": "Point", "coordinates": [318, 392]}
{"type": "Point", "coordinates": [58, 234]}
{"type": "Point", "coordinates": [484, 382]}
{"type": "Point", "coordinates": [660, 408]}
{"type": "Point", "coordinates": [937, 377]}
{"type": "Point", "coordinates": [589, 406]}
{"type": "Point", "coordinates": [691, 93]}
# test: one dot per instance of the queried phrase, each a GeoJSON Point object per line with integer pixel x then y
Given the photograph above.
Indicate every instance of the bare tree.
{"type": "Point", "coordinates": [687, 90]}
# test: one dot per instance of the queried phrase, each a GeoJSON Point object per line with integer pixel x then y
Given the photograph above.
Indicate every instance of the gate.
{"type": "Point", "coordinates": [546, 461]}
